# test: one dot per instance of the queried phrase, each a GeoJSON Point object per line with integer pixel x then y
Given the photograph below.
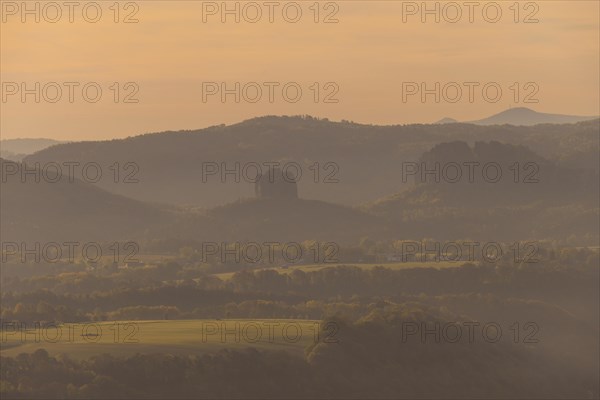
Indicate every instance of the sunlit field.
{"type": "Point", "coordinates": [125, 338]}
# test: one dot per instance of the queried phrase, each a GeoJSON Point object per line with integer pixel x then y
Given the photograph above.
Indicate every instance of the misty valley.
{"type": "Point", "coordinates": [324, 199]}
{"type": "Point", "coordinates": [296, 257]}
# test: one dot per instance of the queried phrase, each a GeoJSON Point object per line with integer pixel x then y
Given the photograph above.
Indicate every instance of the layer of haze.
{"type": "Point", "coordinates": [368, 54]}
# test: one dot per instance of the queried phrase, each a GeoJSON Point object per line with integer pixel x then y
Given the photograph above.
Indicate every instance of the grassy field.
{"type": "Point", "coordinates": [394, 266]}
{"type": "Point", "coordinates": [182, 337]}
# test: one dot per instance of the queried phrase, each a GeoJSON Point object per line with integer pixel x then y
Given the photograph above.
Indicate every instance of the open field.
{"type": "Point", "coordinates": [182, 337]}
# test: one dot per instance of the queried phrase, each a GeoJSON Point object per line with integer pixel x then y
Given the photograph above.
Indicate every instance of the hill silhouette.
{"type": "Point", "coordinates": [77, 211]}
{"type": "Point", "coordinates": [68, 210]}
{"type": "Point", "coordinates": [17, 149]}
{"type": "Point", "coordinates": [295, 220]}
{"type": "Point", "coordinates": [527, 116]}
{"type": "Point", "coordinates": [355, 163]}
{"type": "Point", "coordinates": [546, 201]}
{"type": "Point", "coordinates": [446, 120]}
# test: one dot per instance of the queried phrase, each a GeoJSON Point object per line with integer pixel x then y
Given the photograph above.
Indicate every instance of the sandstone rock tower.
{"type": "Point", "coordinates": [274, 184]}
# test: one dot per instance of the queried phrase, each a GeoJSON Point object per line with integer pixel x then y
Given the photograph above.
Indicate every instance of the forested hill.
{"type": "Point", "coordinates": [340, 161]}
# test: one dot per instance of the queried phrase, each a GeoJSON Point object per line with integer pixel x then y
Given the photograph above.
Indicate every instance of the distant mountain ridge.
{"type": "Point", "coordinates": [446, 121]}
{"type": "Point", "coordinates": [341, 162]}
{"type": "Point", "coordinates": [562, 201]}
{"type": "Point", "coordinates": [17, 149]}
{"type": "Point", "coordinates": [523, 116]}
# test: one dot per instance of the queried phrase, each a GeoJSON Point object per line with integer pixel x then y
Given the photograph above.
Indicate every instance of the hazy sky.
{"type": "Point", "coordinates": [177, 48]}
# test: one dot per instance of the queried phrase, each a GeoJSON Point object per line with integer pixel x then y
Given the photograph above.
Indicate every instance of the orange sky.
{"type": "Point", "coordinates": [367, 55]}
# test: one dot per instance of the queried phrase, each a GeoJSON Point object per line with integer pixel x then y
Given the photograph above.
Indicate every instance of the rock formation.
{"type": "Point", "coordinates": [275, 184]}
